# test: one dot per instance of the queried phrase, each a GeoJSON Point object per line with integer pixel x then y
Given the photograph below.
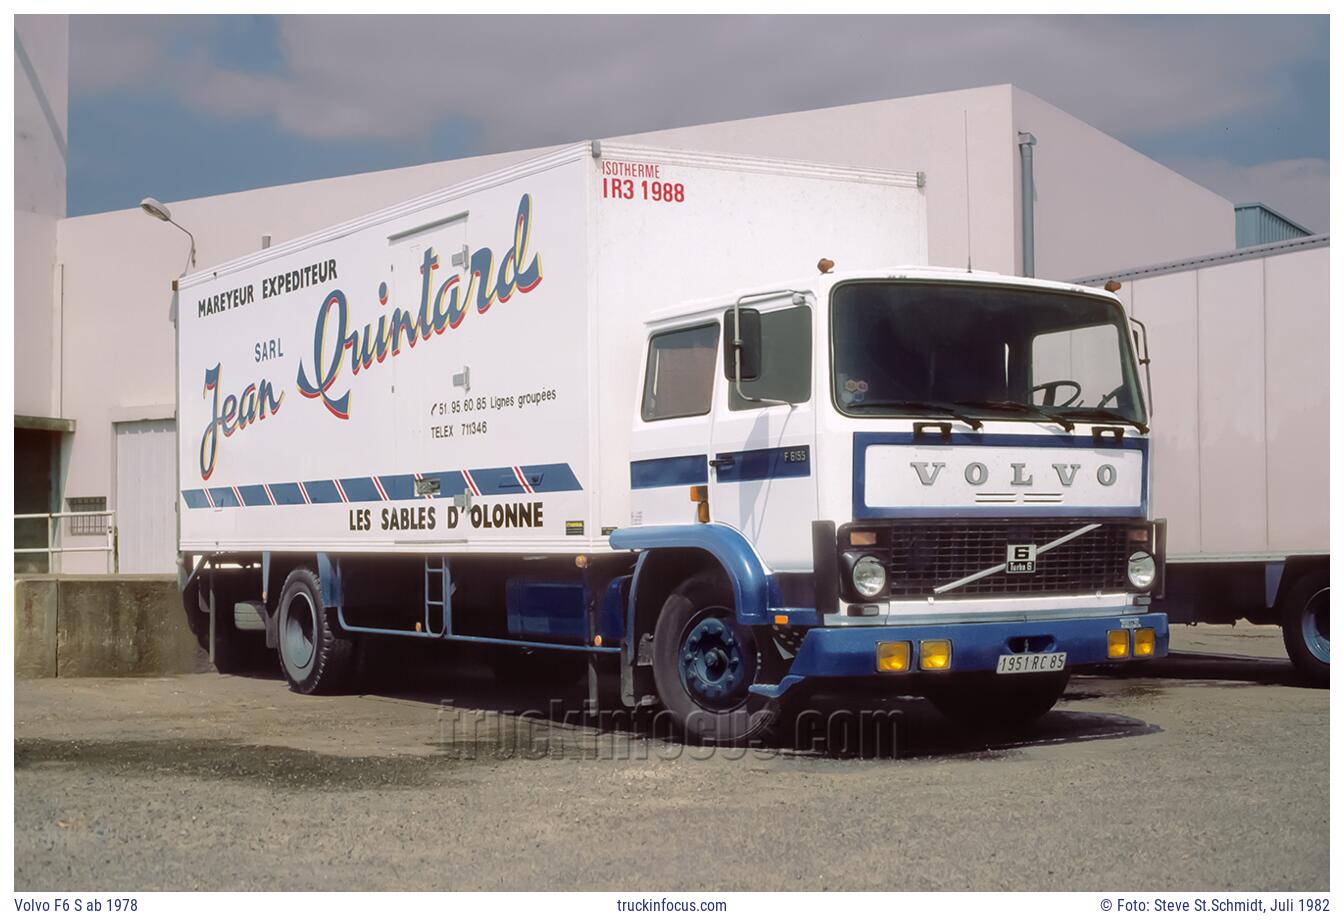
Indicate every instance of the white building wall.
{"type": "Point", "coordinates": [40, 118]}
{"type": "Point", "coordinates": [1100, 204]}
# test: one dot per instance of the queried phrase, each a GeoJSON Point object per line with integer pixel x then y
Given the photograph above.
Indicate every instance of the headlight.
{"type": "Point", "coordinates": [869, 577]}
{"type": "Point", "coordinates": [1142, 570]}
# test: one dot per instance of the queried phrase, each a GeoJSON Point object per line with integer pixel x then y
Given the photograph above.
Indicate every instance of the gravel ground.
{"type": "Point", "coordinates": [1200, 772]}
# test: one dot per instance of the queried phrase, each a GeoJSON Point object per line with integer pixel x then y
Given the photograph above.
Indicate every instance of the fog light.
{"type": "Point", "coordinates": [893, 656]}
{"type": "Point", "coordinates": [1145, 643]}
{"type": "Point", "coordinates": [935, 654]}
{"type": "Point", "coordinates": [1117, 643]}
{"type": "Point", "coordinates": [869, 577]}
{"type": "Point", "coordinates": [1142, 570]}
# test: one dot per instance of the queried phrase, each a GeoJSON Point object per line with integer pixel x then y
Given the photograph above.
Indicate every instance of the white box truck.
{"type": "Point", "coordinates": [603, 404]}
{"type": "Point", "coordinates": [1241, 373]}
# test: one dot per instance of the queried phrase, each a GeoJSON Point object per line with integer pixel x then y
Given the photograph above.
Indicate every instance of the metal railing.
{"type": "Point", "coordinates": [51, 549]}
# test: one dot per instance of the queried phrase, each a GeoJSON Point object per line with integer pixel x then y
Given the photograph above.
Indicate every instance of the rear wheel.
{"type": "Point", "coordinates": [1305, 616]}
{"type": "Point", "coordinates": [314, 657]}
{"type": "Point", "coordinates": [1000, 703]}
{"type": "Point", "coordinates": [705, 661]}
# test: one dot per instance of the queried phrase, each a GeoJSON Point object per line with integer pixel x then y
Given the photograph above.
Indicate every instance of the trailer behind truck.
{"type": "Point", "coordinates": [1241, 371]}
{"type": "Point", "coordinates": [618, 403]}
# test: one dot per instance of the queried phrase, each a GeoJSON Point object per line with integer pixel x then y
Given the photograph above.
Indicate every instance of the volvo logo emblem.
{"type": "Point", "coordinates": [977, 473]}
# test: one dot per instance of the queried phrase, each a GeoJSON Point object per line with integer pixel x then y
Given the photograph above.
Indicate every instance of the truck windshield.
{"type": "Point", "coordinates": [899, 347]}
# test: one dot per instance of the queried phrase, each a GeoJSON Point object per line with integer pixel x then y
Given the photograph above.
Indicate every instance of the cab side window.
{"type": "Point", "coordinates": [679, 376]}
{"type": "Point", "coordinates": [786, 360]}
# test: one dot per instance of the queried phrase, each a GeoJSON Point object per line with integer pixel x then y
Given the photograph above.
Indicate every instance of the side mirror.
{"type": "Point", "coordinates": [742, 343]}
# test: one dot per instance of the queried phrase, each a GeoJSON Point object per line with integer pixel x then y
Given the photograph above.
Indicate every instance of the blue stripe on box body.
{"type": "Point", "coordinates": [223, 497]}
{"type": "Point", "coordinates": [287, 493]}
{"type": "Point", "coordinates": [254, 495]}
{"type": "Point", "coordinates": [499, 480]}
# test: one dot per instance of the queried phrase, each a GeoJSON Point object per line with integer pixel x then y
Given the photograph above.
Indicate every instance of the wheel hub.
{"type": "Point", "coordinates": [716, 665]}
{"type": "Point", "coordinates": [297, 635]}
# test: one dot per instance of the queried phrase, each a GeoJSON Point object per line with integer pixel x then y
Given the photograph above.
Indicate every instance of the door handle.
{"type": "Point", "coordinates": [721, 463]}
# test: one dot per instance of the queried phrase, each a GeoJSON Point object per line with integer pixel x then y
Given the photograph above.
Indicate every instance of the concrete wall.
{"type": "Point", "coordinates": [93, 626]}
{"type": "Point", "coordinates": [1100, 204]}
{"type": "Point", "coordinates": [41, 67]}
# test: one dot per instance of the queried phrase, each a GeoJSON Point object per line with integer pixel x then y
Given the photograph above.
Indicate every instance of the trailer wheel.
{"type": "Point", "coordinates": [1000, 703]}
{"type": "Point", "coordinates": [1305, 617]}
{"type": "Point", "coordinates": [314, 658]}
{"type": "Point", "coordinates": [704, 663]}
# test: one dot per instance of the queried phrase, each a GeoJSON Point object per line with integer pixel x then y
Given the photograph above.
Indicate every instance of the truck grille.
{"type": "Point", "coordinates": [925, 554]}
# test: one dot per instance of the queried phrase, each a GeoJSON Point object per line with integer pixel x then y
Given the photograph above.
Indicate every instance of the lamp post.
{"type": "Point", "coordinates": [159, 211]}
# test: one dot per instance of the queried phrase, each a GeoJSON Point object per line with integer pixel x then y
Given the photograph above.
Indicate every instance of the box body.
{"type": "Point", "coordinates": [459, 373]}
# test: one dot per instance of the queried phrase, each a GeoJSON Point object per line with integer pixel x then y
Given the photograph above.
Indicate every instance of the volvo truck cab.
{"type": "Point", "coordinates": [934, 478]}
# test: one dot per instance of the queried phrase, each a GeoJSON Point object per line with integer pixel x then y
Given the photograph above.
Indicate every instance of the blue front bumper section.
{"type": "Point", "coordinates": [851, 651]}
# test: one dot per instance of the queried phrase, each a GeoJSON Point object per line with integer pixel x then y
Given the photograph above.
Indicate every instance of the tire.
{"type": "Point", "coordinates": [704, 661]}
{"type": "Point", "coordinates": [992, 703]}
{"type": "Point", "coordinates": [1305, 617]}
{"type": "Point", "coordinates": [314, 658]}
{"type": "Point", "coordinates": [236, 651]}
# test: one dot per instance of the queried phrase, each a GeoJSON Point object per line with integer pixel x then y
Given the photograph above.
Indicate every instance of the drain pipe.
{"type": "Point", "coordinates": [1026, 141]}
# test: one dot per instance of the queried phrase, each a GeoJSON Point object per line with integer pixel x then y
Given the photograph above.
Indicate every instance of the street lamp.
{"type": "Point", "coordinates": [159, 211]}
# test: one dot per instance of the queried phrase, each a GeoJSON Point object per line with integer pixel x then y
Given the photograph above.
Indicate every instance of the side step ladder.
{"type": "Point", "coordinates": [438, 597]}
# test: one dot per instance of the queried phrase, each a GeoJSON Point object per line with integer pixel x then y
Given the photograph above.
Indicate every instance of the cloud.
{"type": "Point", "coordinates": [533, 80]}
{"type": "Point", "coordinates": [1298, 189]}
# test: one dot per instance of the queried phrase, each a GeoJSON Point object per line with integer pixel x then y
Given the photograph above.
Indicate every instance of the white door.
{"type": "Point", "coordinates": [146, 490]}
{"type": "Point", "coordinates": [761, 459]}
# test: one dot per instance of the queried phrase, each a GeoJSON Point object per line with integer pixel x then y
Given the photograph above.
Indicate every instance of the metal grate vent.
{"type": "Point", "coordinates": [87, 524]}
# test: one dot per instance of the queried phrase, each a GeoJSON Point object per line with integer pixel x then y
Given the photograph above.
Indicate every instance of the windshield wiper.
{"type": "Point", "coordinates": [915, 405]}
{"type": "Point", "coordinates": [1015, 406]}
{"type": "Point", "coordinates": [1110, 415]}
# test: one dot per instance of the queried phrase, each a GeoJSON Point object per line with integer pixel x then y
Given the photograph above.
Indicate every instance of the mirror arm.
{"type": "Point", "coordinates": [1145, 361]}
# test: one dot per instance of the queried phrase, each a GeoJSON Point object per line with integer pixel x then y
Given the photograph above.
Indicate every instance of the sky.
{"type": "Point", "coordinates": [181, 107]}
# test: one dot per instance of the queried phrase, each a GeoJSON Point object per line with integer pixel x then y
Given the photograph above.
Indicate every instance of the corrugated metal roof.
{"type": "Point", "coordinates": [1258, 224]}
{"type": "Point", "coordinates": [1218, 258]}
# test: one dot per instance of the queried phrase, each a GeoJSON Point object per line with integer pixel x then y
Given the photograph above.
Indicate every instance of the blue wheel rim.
{"type": "Point", "coordinates": [717, 662]}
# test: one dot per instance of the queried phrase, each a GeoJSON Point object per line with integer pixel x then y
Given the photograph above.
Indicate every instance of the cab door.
{"type": "Point", "coordinates": [763, 442]}
{"type": "Point", "coordinates": [670, 441]}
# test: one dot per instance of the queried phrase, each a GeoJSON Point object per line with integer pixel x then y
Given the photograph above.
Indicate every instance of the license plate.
{"type": "Point", "coordinates": [1031, 663]}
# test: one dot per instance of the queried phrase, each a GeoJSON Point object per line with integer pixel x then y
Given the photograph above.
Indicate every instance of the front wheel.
{"type": "Point", "coordinates": [1305, 617]}
{"type": "Point", "coordinates": [704, 663]}
{"type": "Point", "coordinates": [314, 657]}
{"type": "Point", "coordinates": [1000, 703]}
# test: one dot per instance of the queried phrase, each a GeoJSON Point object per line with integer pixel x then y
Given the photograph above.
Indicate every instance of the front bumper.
{"type": "Point", "coordinates": [851, 651]}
